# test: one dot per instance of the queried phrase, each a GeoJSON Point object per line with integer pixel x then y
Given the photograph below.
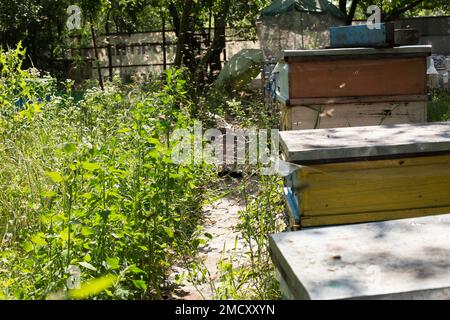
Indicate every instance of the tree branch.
{"type": "Point", "coordinates": [351, 13]}
{"type": "Point", "coordinates": [396, 13]}
{"type": "Point", "coordinates": [343, 7]}
{"type": "Point", "coordinates": [183, 32]}
{"type": "Point", "coordinates": [175, 18]}
{"type": "Point", "coordinates": [218, 43]}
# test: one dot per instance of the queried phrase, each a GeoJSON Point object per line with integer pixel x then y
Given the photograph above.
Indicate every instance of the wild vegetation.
{"type": "Point", "coordinates": [83, 188]}
{"type": "Point", "coordinates": [95, 198]}
{"type": "Point", "coordinates": [438, 107]}
{"type": "Point", "coordinates": [91, 203]}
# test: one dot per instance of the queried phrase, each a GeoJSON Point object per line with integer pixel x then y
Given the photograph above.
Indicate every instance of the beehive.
{"type": "Point", "coordinates": [353, 115]}
{"type": "Point", "coordinates": [352, 87]}
{"type": "Point", "coordinates": [403, 259]}
{"type": "Point", "coordinates": [373, 173]}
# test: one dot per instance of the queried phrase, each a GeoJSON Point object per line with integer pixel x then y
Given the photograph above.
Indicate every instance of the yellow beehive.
{"type": "Point", "coordinates": [362, 174]}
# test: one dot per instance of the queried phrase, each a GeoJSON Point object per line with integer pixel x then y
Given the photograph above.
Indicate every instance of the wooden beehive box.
{"type": "Point", "coordinates": [403, 259]}
{"type": "Point", "coordinates": [361, 174]}
{"type": "Point", "coordinates": [352, 87]}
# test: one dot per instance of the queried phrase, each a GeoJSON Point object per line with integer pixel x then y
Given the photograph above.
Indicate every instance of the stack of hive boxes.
{"type": "Point", "coordinates": [355, 127]}
{"type": "Point", "coordinates": [351, 87]}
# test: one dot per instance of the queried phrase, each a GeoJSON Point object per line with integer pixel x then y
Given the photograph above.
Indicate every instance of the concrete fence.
{"type": "Point", "coordinates": [139, 54]}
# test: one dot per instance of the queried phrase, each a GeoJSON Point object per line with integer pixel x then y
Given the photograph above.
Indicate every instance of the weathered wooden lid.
{"type": "Point", "coordinates": [406, 259]}
{"type": "Point", "coordinates": [347, 144]}
{"type": "Point", "coordinates": [419, 49]}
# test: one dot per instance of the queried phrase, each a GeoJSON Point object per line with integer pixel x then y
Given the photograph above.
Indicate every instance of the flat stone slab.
{"type": "Point", "coordinates": [324, 145]}
{"type": "Point", "coordinates": [401, 259]}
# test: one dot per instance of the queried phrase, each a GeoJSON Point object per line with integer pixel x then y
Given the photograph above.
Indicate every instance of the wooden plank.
{"type": "Point", "coordinates": [348, 100]}
{"type": "Point", "coordinates": [340, 144]}
{"type": "Point", "coordinates": [365, 191]}
{"type": "Point", "coordinates": [343, 193]}
{"type": "Point", "coordinates": [353, 115]}
{"type": "Point", "coordinates": [346, 219]}
{"type": "Point", "coordinates": [402, 259]}
{"type": "Point", "coordinates": [387, 186]}
{"type": "Point", "coordinates": [366, 77]}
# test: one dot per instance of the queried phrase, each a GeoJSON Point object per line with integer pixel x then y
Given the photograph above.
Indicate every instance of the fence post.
{"type": "Point", "coordinates": [164, 41]}
{"type": "Point", "coordinates": [108, 39]}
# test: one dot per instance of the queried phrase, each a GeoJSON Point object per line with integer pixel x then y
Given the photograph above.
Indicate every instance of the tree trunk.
{"type": "Point", "coordinates": [175, 18]}
{"type": "Point", "coordinates": [352, 11]}
{"type": "Point", "coordinates": [212, 55]}
{"type": "Point", "coordinates": [183, 32]}
{"type": "Point", "coordinates": [94, 42]}
{"type": "Point", "coordinates": [343, 7]}
{"type": "Point", "coordinates": [108, 40]}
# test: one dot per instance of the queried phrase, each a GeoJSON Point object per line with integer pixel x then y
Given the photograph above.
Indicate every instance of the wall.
{"type": "Point", "coordinates": [138, 54]}
{"type": "Point", "coordinates": [433, 30]}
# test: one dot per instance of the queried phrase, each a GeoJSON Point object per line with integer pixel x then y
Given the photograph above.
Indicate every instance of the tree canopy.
{"type": "Point", "coordinates": [393, 9]}
{"type": "Point", "coordinates": [41, 24]}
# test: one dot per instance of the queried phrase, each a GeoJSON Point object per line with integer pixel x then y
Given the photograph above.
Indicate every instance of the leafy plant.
{"type": "Point", "coordinates": [253, 276]}
{"type": "Point", "coordinates": [92, 185]}
{"type": "Point", "coordinates": [439, 107]}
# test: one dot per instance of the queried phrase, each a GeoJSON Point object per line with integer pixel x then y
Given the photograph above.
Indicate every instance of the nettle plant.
{"type": "Point", "coordinates": [22, 92]}
{"type": "Point", "coordinates": [89, 194]}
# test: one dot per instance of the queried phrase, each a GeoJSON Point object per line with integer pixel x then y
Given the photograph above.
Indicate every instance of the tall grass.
{"type": "Point", "coordinates": [89, 195]}
{"type": "Point", "coordinates": [252, 275]}
{"type": "Point", "coordinates": [90, 185]}
{"type": "Point", "coordinates": [439, 107]}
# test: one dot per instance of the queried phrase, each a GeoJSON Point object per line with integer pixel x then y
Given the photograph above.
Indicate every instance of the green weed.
{"type": "Point", "coordinates": [90, 185]}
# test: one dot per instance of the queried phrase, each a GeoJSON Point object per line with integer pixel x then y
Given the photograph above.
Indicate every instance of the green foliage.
{"type": "Point", "coordinates": [38, 24]}
{"type": "Point", "coordinates": [394, 9]}
{"type": "Point", "coordinates": [92, 288]}
{"type": "Point", "coordinates": [439, 107]}
{"type": "Point", "coordinates": [90, 195]}
{"type": "Point", "coordinates": [253, 277]}
{"type": "Point", "coordinates": [92, 185]}
{"type": "Point", "coordinates": [245, 108]}
{"type": "Point", "coordinates": [21, 91]}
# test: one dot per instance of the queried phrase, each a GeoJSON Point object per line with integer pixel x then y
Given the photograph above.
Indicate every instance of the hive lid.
{"type": "Point", "coordinates": [418, 49]}
{"type": "Point", "coordinates": [403, 258]}
{"type": "Point", "coordinates": [347, 144]}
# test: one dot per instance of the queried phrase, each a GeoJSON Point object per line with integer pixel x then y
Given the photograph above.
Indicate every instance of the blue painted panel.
{"type": "Point", "coordinates": [358, 36]}
{"type": "Point", "coordinates": [292, 204]}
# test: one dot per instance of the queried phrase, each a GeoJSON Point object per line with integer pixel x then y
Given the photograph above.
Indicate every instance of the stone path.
{"type": "Point", "coordinates": [221, 219]}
